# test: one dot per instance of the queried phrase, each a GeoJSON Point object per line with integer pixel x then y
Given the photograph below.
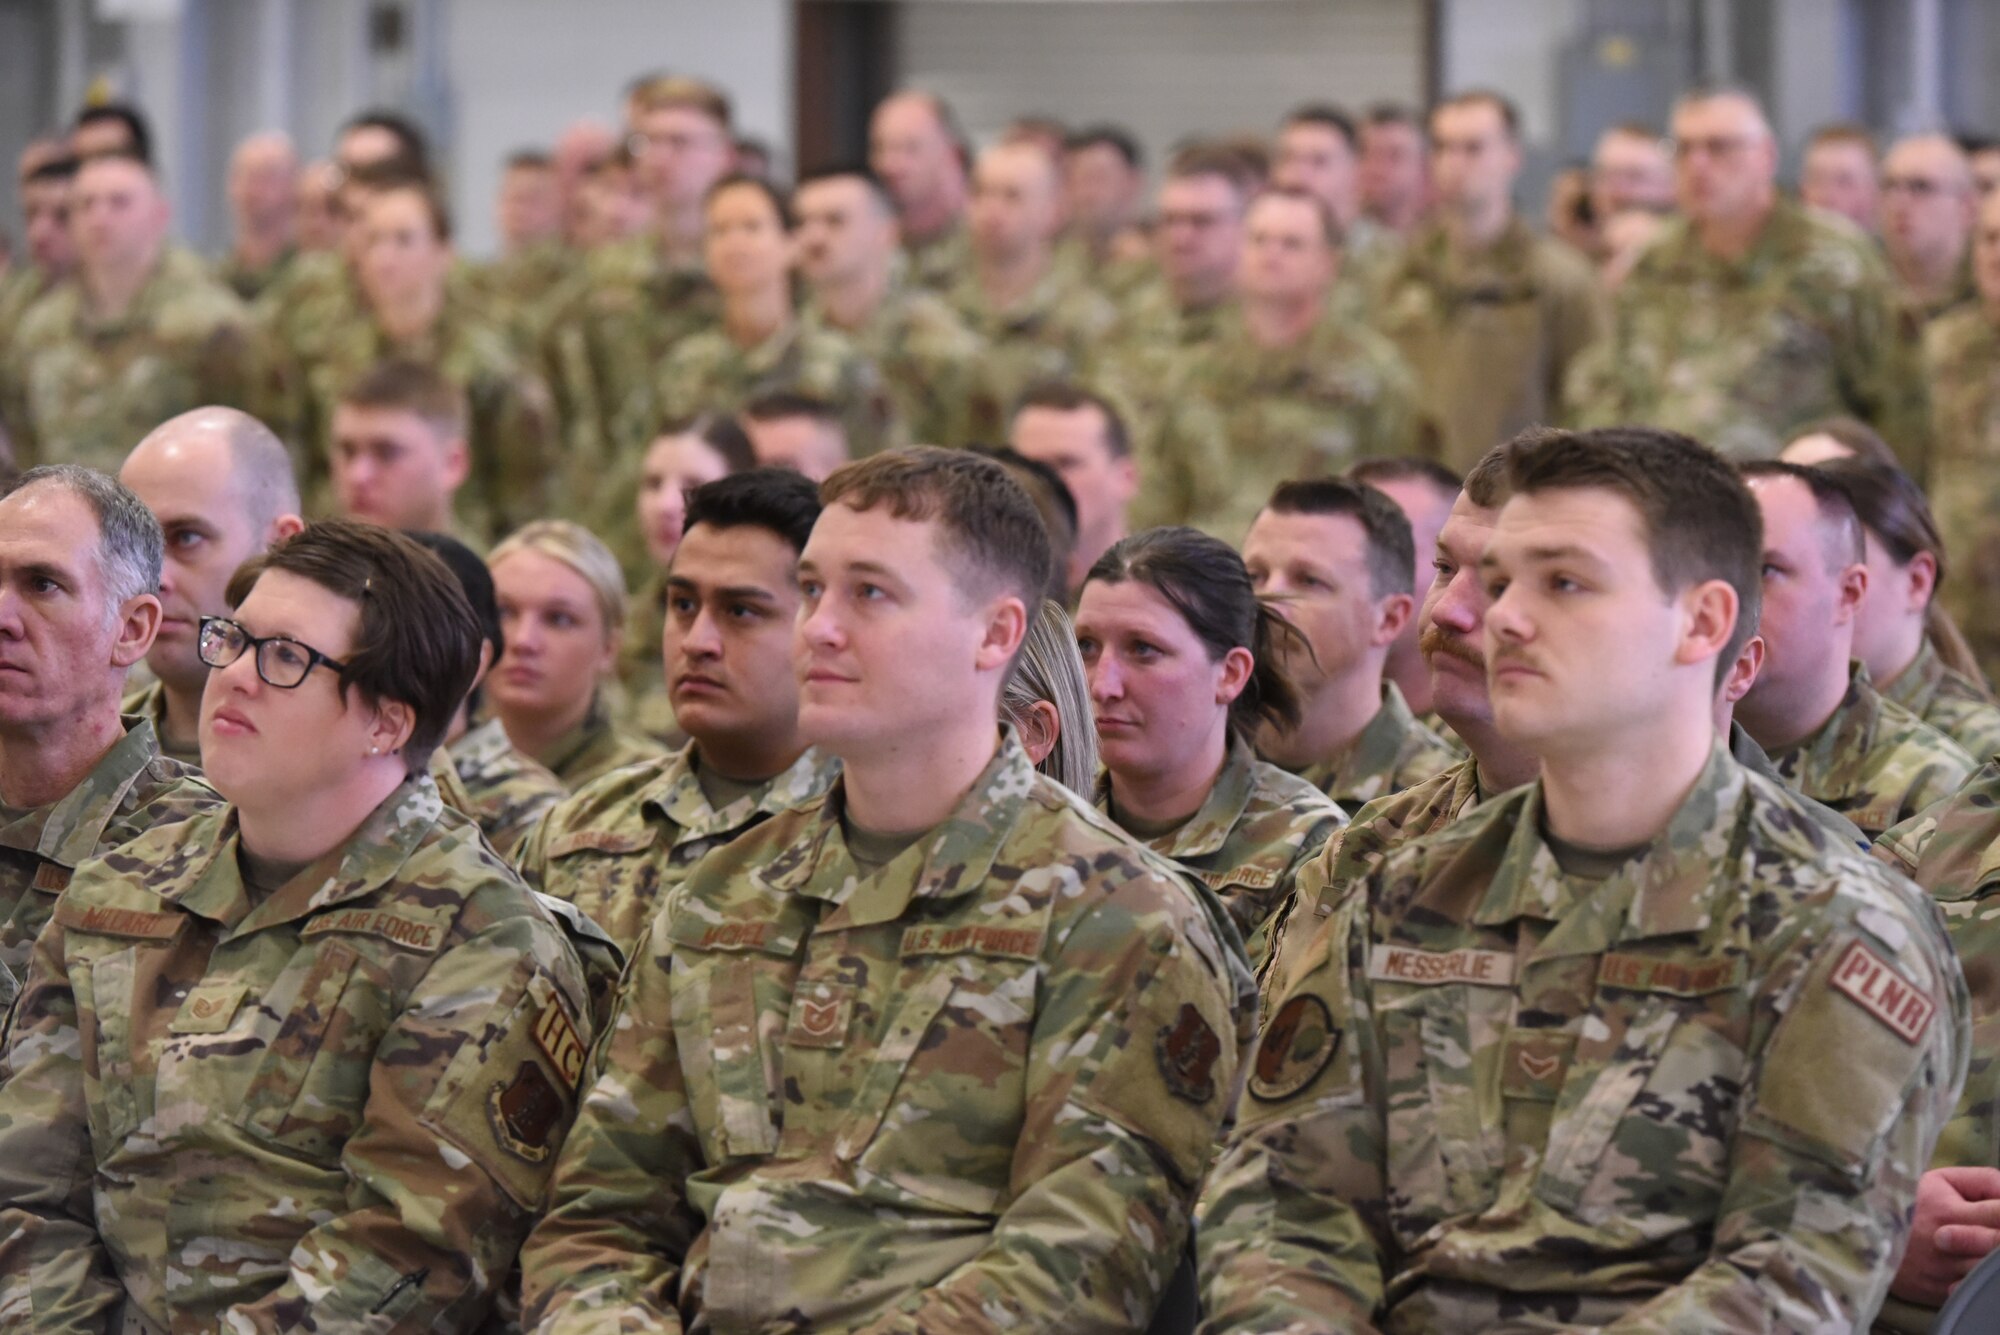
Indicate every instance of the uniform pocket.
{"type": "Point", "coordinates": [309, 1090]}
{"type": "Point", "coordinates": [1441, 1099]}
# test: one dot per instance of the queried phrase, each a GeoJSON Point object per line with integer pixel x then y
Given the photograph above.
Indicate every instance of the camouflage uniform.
{"type": "Point", "coordinates": [149, 702]}
{"type": "Point", "coordinates": [939, 262]}
{"type": "Point", "coordinates": [519, 291]}
{"type": "Point", "coordinates": [1245, 418]}
{"type": "Point", "coordinates": [928, 361]}
{"type": "Point", "coordinates": [1873, 761]}
{"type": "Point", "coordinates": [332, 1107]}
{"type": "Point", "coordinates": [973, 1091]}
{"type": "Point", "coordinates": [1490, 335]}
{"type": "Point", "coordinates": [1054, 332]}
{"type": "Point", "coordinates": [708, 373]}
{"type": "Point", "coordinates": [642, 682]}
{"type": "Point", "coordinates": [595, 747]}
{"type": "Point", "coordinates": [249, 282]}
{"type": "Point", "coordinates": [1392, 753]}
{"type": "Point", "coordinates": [1914, 312]}
{"type": "Point", "coordinates": [510, 429]}
{"type": "Point", "coordinates": [617, 845]}
{"type": "Point", "coordinates": [131, 789]}
{"type": "Point", "coordinates": [20, 288]}
{"type": "Point", "coordinates": [1256, 829]}
{"type": "Point", "coordinates": [1961, 364]}
{"type": "Point", "coordinates": [1504, 1098]}
{"type": "Point", "coordinates": [505, 793]}
{"type": "Point", "coordinates": [1744, 750]}
{"type": "Point", "coordinates": [1153, 337]}
{"type": "Point", "coordinates": [1949, 701]}
{"type": "Point", "coordinates": [1953, 851]}
{"type": "Point", "coordinates": [1741, 353]}
{"type": "Point", "coordinates": [85, 390]}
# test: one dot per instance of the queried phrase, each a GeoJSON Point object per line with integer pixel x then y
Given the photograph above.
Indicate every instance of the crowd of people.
{"type": "Point", "coordinates": [961, 746]}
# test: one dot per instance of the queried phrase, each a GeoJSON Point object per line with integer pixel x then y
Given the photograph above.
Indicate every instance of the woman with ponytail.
{"type": "Point", "coordinates": [1180, 658]}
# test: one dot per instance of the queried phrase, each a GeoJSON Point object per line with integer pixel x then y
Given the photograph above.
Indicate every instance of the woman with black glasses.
{"type": "Point", "coordinates": [301, 1063]}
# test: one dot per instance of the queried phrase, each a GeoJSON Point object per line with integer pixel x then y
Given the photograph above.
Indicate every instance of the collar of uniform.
{"type": "Point", "coordinates": [595, 730]}
{"type": "Point", "coordinates": [1916, 686]}
{"type": "Point", "coordinates": [677, 794]}
{"type": "Point", "coordinates": [1373, 750]}
{"type": "Point", "coordinates": [953, 859]}
{"type": "Point", "coordinates": [1208, 829]}
{"type": "Point", "coordinates": [67, 830]}
{"type": "Point", "coordinates": [1501, 267]}
{"type": "Point", "coordinates": [136, 315]}
{"type": "Point", "coordinates": [1686, 259]}
{"type": "Point", "coordinates": [1824, 759]}
{"type": "Point", "coordinates": [768, 354]}
{"type": "Point", "coordinates": [1670, 889]}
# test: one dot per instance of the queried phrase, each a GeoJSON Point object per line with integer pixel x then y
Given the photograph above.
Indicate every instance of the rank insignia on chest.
{"type": "Point", "coordinates": [524, 1112]}
{"type": "Point", "coordinates": [820, 1021]}
{"type": "Point", "coordinates": [1188, 1050]}
{"type": "Point", "coordinates": [1294, 1049]}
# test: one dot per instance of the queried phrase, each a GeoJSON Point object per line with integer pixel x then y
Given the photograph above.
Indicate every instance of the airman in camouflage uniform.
{"type": "Point", "coordinates": [594, 748]}
{"type": "Point", "coordinates": [1874, 761]}
{"type": "Point", "coordinates": [707, 372]}
{"type": "Point", "coordinates": [520, 290]}
{"type": "Point", "coordinates": [49, 252]}
{"type": "Point", "coordinates": [917, 149]}
{"type": "Point", "coordinates": [1020, 992]}
{"type": "Point", "coordinates": [1393, 752]}
{"type": "Point", "coordinates": [1740, 349]}
{"type": "Point", "coordinates": [131, 789]}
{"type": "Point", "coordinates": [333, 1107]}
{"type": "Point", "coordinates": [505, 793]}
{"type": "Point", "coordinates": [617, 846]}
{"type": "Point", "coordinates": [1452, 1124]}
{"type": "Point", "coordinates": [1744, 750]}
{"type": "Point", "coordinates": [149, 703]}
{"type": "Point", "coordinates": [1257, 827]}
{"type": "Point", "coordinates": [1949, 701]}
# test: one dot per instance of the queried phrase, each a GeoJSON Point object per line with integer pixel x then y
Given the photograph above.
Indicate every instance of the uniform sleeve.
{"type": "Point", "coordinates": [514, 447]}
{"type": "Point", "coordinates": [1293, 1235]}
{"type": "Point", "coordinates": [1131, 1067]}
{"type": "Point", "coordinates": [607, 1256]}
{"type": "Point", "coordinates": [1879, 370]}
{"type": "Point", "coordinates": [55, 1274]}
{"type": "Point", "coordinates": [1578, 317]}
{"type": "Point", "coordinates": [470, 1094]}
{"type": "Point", "coordinates": [1821, 1184]}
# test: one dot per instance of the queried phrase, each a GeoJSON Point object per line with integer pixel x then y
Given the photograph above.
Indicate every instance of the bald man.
{"type": "Point", "coordinates": [1928, 207]}
{"type": "Point", "coordinates": [1750, 315]}
{"type": "Point", "coordinates": [263, 211]}
{"type": "Point", "coordinates": [915, 148]}
{"type": "Point", "coordinates": [221, 485]}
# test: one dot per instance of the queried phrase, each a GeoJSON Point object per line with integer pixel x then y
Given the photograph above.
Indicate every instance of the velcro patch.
{"type": "Point", "coordinates": [1293, 1049]}
{"type": "Point", "coordinates": [52, 877]}
{"type": "Point", "coordinates": [1874, 985]}
{"type": "Point", "coordinates": [735, 936]}
{"type": "Point", "coordinates": [1679, 978]}
{"type": "Point", "coordinates": [409, 933]}
{"type": "Point", "coordinates": [1433, 968]}
{"type": "Point", "coordinates": [1249, 878]}
{"type": "Point", "coordinates": [1188, 1050]}
{"type": "Point", "coordinates": [523, 1113]}
{"type": "Point", "coordinates": [559, 1042]}
{"type": "Point", "coordinates": [599, 841]}
{"type": "Point", "coordinates": [209, 1009]}
{"type": "Point", "coordinates": [106, 921]}
{"type": "Point", "coordinates": [1019, 943]}
{"type": "Point", "coordinates": [820, 1021]}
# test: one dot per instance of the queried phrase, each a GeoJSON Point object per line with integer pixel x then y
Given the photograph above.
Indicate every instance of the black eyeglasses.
{"type": "Point", "coordinates": [281, 661]}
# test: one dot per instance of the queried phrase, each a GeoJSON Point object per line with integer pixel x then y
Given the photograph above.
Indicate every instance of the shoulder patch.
{"type": "Point", "coordinates": [1434, 968]}
{"type": "Point", "coordinates": [107, 921]}
{"type": "Point", "coordinates": [400, 929]}
{"type": "Point", "coordinates": [1873, 984]}
{"type": "Point", "coordinates": [1188, 1049]}
{"type": "Point", "coordinates": [1294, 1048]}
{"type": "Point", "coordinates": [559, 1041]}
{"type": "Point", "coordinates": [524, 1112]}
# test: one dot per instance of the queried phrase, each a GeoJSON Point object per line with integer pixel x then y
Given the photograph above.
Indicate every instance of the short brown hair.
{"type": "Point", "coordinates": [1844, 132]}
{"type": "Point", "coordinates": [419, 638]}
{"type": "Point", "coordinates": [992, 534]}
{"type": "Point", "coordinates": [1392, 547]}
{"type": "Point", "coordinates": [1700, 522]}
{"type": "Point", "coordinates": [1329, 226]}
{"type": "Point", "coordinates": [677, 90]}
{"type": "Point", "coordinates": [1226, 162]}
{"type": "Point", "coordinates": [427, 194]}
{"type": "Point", "coordinates": [400, 385]}
{"type": "Point", "coordinates": [1503, 106]}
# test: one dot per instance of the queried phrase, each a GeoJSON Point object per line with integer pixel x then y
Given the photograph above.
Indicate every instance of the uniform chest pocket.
{"type": "Point", "coordinates": [317, 1041]}
{"type": "Point", "coordinates": [939, 1110]}
{"type": "Point", "coordinates": [729, 1011]}
{"type": "Point", "coordinates": [1641, 1137]}
{"type": "Point", "coordinates": [1441, 1047]}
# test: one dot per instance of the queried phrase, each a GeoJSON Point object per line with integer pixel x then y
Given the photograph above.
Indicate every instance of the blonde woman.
{"type": "Point", "coordinates": [562, 610]}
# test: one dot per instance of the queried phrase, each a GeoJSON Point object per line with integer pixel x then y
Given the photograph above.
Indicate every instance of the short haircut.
{"type": "Point", "coordinates": [1329, 226]}
{"type": "Point", "coordinates": [778, 405]}
{"type": "Point", "coordinates": [1510, 115]}
{"type": "Point", "coordinates": [419, 639]}
{"type": "Point", "coordinates": [1844, 545]}
{"type": "Point", "coordinates": [583, 552]}
{"type": "Point", "coordinates": [720, 432]}
{"type": "Point", "coordinates": [530, 159]}
{"type": "Point", "coordinates": [1711, 92]}
{"type": "Point", "coordinates": [850, 171]}
{"type": "Point", "coordinates": [1853, 435]}
{"type": "Point", "coordinates": [780, 202]}
{"type": "Point", "coordinates": [678, 91]}
{"type": "Point", "coordinates": [1407, 468]}
{"type": "Point", "coordinates": [474, 580]}
{"type": "Point", "coordinates": [1392, 546]}
{"type": "Point", "coordinates": [1844, 132]}
{"type": "Point", "coordinates": [61, 168]}
{"type": "Point", "coordinates": [137, 131]}
{"type": "Point", "coordinates": [413, 147]}
{"type": "Point", "coordinates": [947, 118]}
{"type": "Point", "coordinates": [1328, 116]}
{"type": "Point", "coordinates": [1645, 130]}
{"type": "Point", "coordinates": [130, 546]}
{"type": "Point", "coordinates": [1066, 396]}
{"type": "Point", "coordinates": [1054, 501]}
{"type": "Point", "coordinates": [1114, 137]}
{"type": "Point", "coordinates": [1699, 521]}
{"type": "Point", "coordinates": [777, 499]}
{"type": "Point", "coordinates": [401, 385]}
{"type": "Point", "coordinates": [1889, 504]}
{"type": "Point", "coordinates": [1050, 668]}
{"type": "Point", "coordinates": [1392, 113]}
{"type": "Point", "coordinates": [435, 209]}
{"type": "Point", "coordinates": [1224, 161]}
{"type": "Point", "coordinates": [1486, 482]}
{"type": "Point", "coordinates": [990, 534]}
{"type": "Point", "coordinates": [1205, 580]}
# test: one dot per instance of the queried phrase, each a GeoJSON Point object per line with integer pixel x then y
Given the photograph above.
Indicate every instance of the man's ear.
{"type": "Point", "coordinates": [457, 463]}
{"type": "Point", "coordinates": [1006, 627]}
{"type": "Point", "coordinates": [284, 526]}
{"type": "Point", "coordinates": [1709, 617]}
{"type": "Point", "coordinates": [138, 622]}
{"type": "Point", "coordinates": [1853, 590]}
{"type": "Point", "coordinates": [1392, 616]}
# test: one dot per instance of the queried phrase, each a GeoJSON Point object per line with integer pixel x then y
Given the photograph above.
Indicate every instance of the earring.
{"type": "Point", "coordinates": [374, 750]}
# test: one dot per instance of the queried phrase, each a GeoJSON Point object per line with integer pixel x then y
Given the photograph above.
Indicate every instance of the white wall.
{"type": "Point", "coordinates": [520, 70]}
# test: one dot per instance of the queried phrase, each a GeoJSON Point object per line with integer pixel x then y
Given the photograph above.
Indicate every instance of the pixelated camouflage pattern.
{"type": "Point", "coordinates": [149, 702]}
{"type": "Point", "coordinates": [928, 360]}
{"type": "Point", "coordinates": [1874, 761]}
{"type": "Point", "coordinates": [332, 1107]}
{"type": "Point", "coordinates": [1501, 1098]}
{"type": "Point", "coordinates": [971, 1092]}
{"type": "Point", "coordinates": [1242, 419]}
{"type": "Point", "coordinates": [1961, 365]}
{"type": "Point", "coordinates": [131, 789]}
{"type": "Point", "coordinates": [595, 747]}
{"type": "Point", "coordinates": [1255, 830]}
{"type": "Point", "coordinates": [617, 846]}
{"type": "Point", "coordinates": [1490, 335]}
{"type": "Point", "coordinates": [1949, 701]}
{"type": "Point", "coordinates": [1740, 354]}
{"type": "Point", "coordinates": [84, 390]}
{"type": "Point", "coordinates": [505, 793]}
{"type": "Point", "coordinates": [1392, 753]}
{"type": "Point", "coordinates": [1055, 332]}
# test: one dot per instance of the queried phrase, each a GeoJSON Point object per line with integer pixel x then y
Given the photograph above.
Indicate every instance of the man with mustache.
{"type": "Point", "coordinates": [1566, 1062]}
{"type": "Point", "coordinates": [616, 845]}
{"type": "Point", "coordinates": [221, 485]}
